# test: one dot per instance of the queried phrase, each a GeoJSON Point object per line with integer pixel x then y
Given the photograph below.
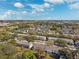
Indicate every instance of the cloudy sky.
{"type": "Point", "coordinates": [39, 9]}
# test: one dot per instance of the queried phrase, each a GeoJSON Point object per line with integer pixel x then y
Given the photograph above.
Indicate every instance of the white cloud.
{"type": "Point", "coordinates": [46, 5]}
{"type": "Point", "coordinates": [1, 17]}
{"type": "Point", "coordinates": [71, 1]}
{"type": "Point", "coordinates": [10, 12]}
{"type": "Point", "coordinates": [7, 14]}
{"type": "Point", "coordinates": [40, 8]}
{"type": "Point", "coordinates": [61, 1]}
{"type": "Point", "coordinates": [24, 12]}
{"type": "Point", "coordinates": [37, 7]}
{"type": "Point", "coordinates": [18, 5]}
{"type": "Point", "coordinates": [55, 1]}
{"type": "Point", "coordinates": [74, 6]}
{"type": "Point", "coordinates": [11, 15]}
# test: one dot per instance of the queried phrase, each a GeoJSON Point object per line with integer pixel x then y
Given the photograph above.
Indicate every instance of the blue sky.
{"type": "Point", "coordinates": [39, 9]}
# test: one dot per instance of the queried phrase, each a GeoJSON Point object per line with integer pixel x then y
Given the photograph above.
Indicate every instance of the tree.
{"type": "Point", "coordinates": [13, 42]}
{"type": "Point", "coordinates": [48, 57]}
{"type": "Point", "coordinates": [2, 55]}
{"type": "Point", "coordinates": [60, 42]}
{"type": "Point", "coordinates": [4, 36]}
{"type": "Point", "coordinates": [66, 53]}
{"type": "Point", "coordinates": [50, 42]}
{"type": "Point", "coordinates": [75, 39]}
{"type": "Point", "coordinates": [30, 38]}
{"type": "Point", "coordinates": [9, 51]}
{"type": "Point", "coordinates": [28, 55]}
{"type": "Point", "coordinates": [42, 54]}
